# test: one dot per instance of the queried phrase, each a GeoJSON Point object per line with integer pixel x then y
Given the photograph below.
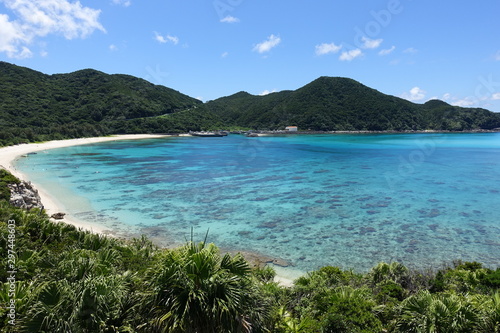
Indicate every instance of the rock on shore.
{"type": "Point", "coordinates": [24, 195]}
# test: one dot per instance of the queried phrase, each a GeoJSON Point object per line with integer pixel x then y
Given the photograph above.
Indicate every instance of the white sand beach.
{"type": "Point", "coordinates": [9, 154]}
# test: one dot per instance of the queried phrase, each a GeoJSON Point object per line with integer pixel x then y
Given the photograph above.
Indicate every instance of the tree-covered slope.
{"type": "Point", "coordinates": [34, 105]}
{"type": "Point", "coordinates": [333, 103]}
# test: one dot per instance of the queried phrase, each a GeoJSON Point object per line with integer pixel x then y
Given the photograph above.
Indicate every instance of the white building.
{"type": "Point", "coordinates": [291, 128]}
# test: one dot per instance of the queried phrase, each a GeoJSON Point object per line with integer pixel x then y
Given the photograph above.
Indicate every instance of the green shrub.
{"type": "Point", "coordinates": [6, 178]}
{"type": "Point", "coordinates": [351, 310]}
{"type": "Point", "coordinates": [492, 279]}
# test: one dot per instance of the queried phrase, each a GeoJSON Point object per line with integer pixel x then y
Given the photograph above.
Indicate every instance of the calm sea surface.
{"type": "Point", "coordinates": [345, 200]}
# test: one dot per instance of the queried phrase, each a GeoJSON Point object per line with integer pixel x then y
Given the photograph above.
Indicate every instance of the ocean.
{"type": "Point", "coordinates": [347, 200]}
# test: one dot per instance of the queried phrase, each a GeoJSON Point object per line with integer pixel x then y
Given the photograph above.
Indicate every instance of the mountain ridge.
{"type": "Point", "coordinates": [337, 103]}
{"type": "Point", "coordinates": [35, 106]}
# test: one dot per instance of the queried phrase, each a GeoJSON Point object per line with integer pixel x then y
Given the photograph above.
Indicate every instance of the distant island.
{"type": "Point", "coordinates": [86, 103]}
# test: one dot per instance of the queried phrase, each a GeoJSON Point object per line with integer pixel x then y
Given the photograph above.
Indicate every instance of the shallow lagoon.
{"type": "Point", "coordinates": [350, 200]}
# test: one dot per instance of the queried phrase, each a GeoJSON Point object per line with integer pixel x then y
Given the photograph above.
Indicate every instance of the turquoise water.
{"type": "Point", "coordinates": [345, 200]}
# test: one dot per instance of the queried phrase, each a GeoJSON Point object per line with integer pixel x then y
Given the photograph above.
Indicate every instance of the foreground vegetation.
{"type": "Point", "coordinates": [69, 280]}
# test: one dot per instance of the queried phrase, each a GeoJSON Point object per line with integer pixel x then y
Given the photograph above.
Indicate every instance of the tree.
{"type": "Point", "coordinates": [195, 289]}
{"type": "Point", "coordinates": [489, 307]}
{"type": "Point", "coordinates": [90, 305]}
{"type": "Point", "coordinates": [435, 313]}
{"type": "Point", "coordinates": [351, 310]}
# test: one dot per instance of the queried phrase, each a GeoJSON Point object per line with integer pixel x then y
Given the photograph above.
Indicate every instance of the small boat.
{"type": "Point", "coordinates": [207, 134]}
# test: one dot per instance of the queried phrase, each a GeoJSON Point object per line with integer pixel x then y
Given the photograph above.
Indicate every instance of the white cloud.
{"type": "Point", "coordinates": [325, 48]}
{"type": "Point", "coordinates": [159, 38]}
{"type": "Point", "coordinates": [410, 50]}
{"type": "Point", "coordinates": [173, 39]}
{"type": "Point", "coordinates": [165, 39]}
{"type": "Point", "coordinates": [467, 101]}
{"type": "Point", "coordinates": [35, 19]}
{"type": "Point", "coordinates": [470, 100]}
{"type": "Point", "coordinates": [11, 36]}
{"type": "Point", "coordinates": [25, 53]}
{"type": "Point", "coordinates": [267, 92]}
{"type": "Point", "coordinates": [266, 46]}
{"type": "Point", "coordinates": [124, 3]}
{"type": "Point", "coordinates": [415, 94]}
{"type": "Point", "coordinates": [230, 19]}
{"type": "Point", "coordinates": [113, 47]}
{"type": "Point", "coordinates": [497, 56]}
{"type": "Point", "coordinates": [56, 16]}
{"type": "Point", "coordinates": [387, 51]}
{"type": "Point", "coordinates": [224, 55]}
{"type": "Point", "coordinates": [371, 43]}
{"type": "Point", "coordinates": [350, 55]}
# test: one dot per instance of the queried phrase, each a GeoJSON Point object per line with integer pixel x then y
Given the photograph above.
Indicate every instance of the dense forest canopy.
{"type": "Point", "coordinates": [36, 107]}
{"type": "Point", "coordinates": [341, 104]}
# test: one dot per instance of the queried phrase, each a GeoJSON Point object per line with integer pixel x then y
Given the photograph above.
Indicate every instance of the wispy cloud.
{"type": "Point", "coordinates": [415, 94]}
{"type": "Point", "coordinates": [410, 50]}
{"type": "Point", "coordinates": [230, 19]}
{"type": "Point", "coordinates": [371, 43]}
{"type": "Point", "coordinates": [37, 19]}
{"type": "Point", "coordinates": [326, 48]}
{"type": "Point", "coordinates": [166, 39]}
{"type": "Point", "coordinates": [113, 47]}
{"type": "Point", "coordinates": [350, 55]}
{"type": "Point", "coordinates": [124, 3]}
{"type": "Point", "coordinates": [267, 92]}
{"type": "Point", "coordinates": [224, 55]}
{"type": "Point", "coordinates": [25, 53]}
{"type": "Point", "coordinates": [464, 102]}
{"type": "Point", "coordinates": [267, 45]}
{"type": "Point", "coordinates": [496, 96]}
{"type": "Point", "coordinates": [385, 52]}
{"type": "Point", "coordinates": [497, 56]}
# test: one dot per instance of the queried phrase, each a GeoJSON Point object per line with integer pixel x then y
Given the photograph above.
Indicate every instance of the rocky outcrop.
{"type": "Point", "coordinates": [58, 216]}
{"type": "Point", "coordinates": [24, 195]}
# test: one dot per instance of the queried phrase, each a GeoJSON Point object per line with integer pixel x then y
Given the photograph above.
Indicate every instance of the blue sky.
{"type": "Point", "coordinates": [415, 49]}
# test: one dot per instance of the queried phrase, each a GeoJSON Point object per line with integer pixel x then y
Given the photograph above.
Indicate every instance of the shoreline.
{"type": "Point", "coordinates": [9, 154]}
{"type": "Point", "coordinates": [283, 132]}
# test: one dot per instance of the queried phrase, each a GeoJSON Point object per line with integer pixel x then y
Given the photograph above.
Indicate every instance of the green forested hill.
{"type": "Point", "coordinates": [35, 106]}
{"type": "Point", "coordinates": [333, 103]}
